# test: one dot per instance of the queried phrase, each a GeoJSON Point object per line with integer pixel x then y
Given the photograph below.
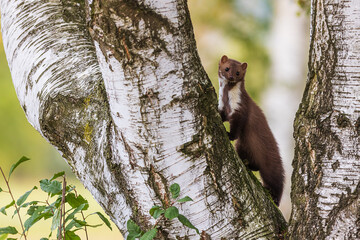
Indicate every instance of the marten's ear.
{"type": "Point", "coordinates": [224, 59]}
{"type": "Point", "coordinates": [244, 66]}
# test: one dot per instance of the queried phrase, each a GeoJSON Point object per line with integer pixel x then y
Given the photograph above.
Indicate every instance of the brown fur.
{"type": "Point", "coordinates": [248, 126]}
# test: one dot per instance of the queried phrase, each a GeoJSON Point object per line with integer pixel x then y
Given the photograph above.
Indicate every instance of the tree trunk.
{"type": "Point", "coordinates": [118, 88]}
{"type": "Point", "coordinates": [325, 182]}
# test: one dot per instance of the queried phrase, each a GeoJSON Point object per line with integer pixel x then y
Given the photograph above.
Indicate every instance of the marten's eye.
{"type": "Point", "coordinates": [237, 73]}
{"type": "Point", "coordinates": [227, 69]}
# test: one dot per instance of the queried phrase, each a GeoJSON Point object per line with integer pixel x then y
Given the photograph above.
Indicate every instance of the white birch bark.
{"type": "Point", "coordinates": [326, 182]}
{"type": "Point", "coordinates": [118, 88]}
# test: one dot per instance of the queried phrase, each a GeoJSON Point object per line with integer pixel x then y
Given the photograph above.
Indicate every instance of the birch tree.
{"type": "Point", "coordinates": [325, 182]}
{"type": "Point", "coordinates": [118, 88]}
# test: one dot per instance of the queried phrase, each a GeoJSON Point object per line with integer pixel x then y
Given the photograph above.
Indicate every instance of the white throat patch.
{"type": "Point", "coordinates": [235, 98]}
{"type": "Point", "coordinates": [222, 82]}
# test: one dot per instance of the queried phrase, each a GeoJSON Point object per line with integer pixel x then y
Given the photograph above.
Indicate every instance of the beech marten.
{"type": "Point", "coordinates": [254, 140]}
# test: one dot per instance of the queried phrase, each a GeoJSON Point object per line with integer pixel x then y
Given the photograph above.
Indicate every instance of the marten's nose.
{"type": "Point", "coordinates": [231, 78]}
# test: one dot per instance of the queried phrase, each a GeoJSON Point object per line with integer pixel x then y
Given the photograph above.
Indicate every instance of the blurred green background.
{"type": "Point", "coordinates": [243, 30]}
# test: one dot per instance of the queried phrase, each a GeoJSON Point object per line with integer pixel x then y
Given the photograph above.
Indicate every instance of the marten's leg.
{"type": "Point", "coordinates": [242, 150]}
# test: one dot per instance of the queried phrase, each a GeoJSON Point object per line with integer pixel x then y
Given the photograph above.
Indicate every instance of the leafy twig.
{"type": "Point", "coordinates": [63, 206]}
{"type": "Point", "coordinates": [159, 213]}
{"type": "Point", "coordinates": [15, 205]}
{"type": "Point", "coordinates": [82, 214]}
{"type": "Point", "coordinates": [65, 222]}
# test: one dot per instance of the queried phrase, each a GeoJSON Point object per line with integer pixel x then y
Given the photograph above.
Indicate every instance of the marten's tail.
{"type": "Point", "coordinates": [273, 177]}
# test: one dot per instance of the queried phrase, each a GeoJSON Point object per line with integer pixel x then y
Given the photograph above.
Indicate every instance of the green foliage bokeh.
{"type": "Point", "coordinates": [230, 28]}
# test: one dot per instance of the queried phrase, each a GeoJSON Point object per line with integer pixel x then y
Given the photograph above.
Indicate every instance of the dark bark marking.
{"type": "Point", "coordinates": [350, 203]}
{"type": "Point", "coordinates": [33, 70]}
{"type": "Point", "coordinates": [357, 126]}
{"type": "Point", "coordinates": [239, 206]}
{"type": "Point", "coordinates": [73, 10]}
{"type": "Point", "coordinates": [129, 150]}
{"type": "Point", "coordinates": [335, 165]}
{"type": "Point", "coordinates": [126, 49]}
{"type": "Point", "coordinates": [194, 148]}
{"type": "Point", "coordinates": [123, 41]}
{"type": "Point", "coordinates": [160, 186]}
{"type": "Point", "coordinates": [205, 236]}
{"type": "Point", "coordinates": [343, 121]}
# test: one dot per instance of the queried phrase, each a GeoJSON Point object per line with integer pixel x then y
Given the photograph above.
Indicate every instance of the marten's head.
{"type": "Point", "coordinates": [231, 70]}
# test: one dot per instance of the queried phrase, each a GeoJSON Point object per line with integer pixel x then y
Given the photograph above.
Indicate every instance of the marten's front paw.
{"type": "Point", "coordinates": [231, 136]}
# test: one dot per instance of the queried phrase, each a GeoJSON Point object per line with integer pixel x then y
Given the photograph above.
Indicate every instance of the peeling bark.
{"type": "Point", "coordinates": [118, 88]}
{"type": "Point", "coordinates": [325, 181]}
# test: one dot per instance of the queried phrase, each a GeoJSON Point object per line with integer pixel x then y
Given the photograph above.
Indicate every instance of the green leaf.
{"type": "Point", "coordinates": [44, 239]}
{"type": "Point", "coordinates": [15, 212]}
{"type": "Point", "coordinates": [56, 219]}
{"type": "Point", "coordinates": [75, 202]}
{"type": "Point", "coordinates": [2, 210]}
{"type": "Point", "coordinates": [175, 190]}
{"type": "Point", "coordinates": [23, 198]}
{"type": "Point", "coordinates": [47, 214]}
{"type": "Point", "coordinates": [76, 210]}
{"type": "Point", "coordinates": [29, 203]}
{"type": "Point", "coordinates": [132, 227]}
{"type": "Point", "coordinates": [3, 237]}
{"type": "Point", "coordinates": [31, 210]}
{"type": "Point", "coordinates": [152, 210]}
{"type": "Point", "coordinates": [80, 223]}
{"type": "Point", "coordinates": [158, 212]}
{"type": "Point", "coordinates": [84, 223]}
{"type": "Point", "coordinates": [35, 217]}
{"type": "Point", "coordinates": [57, 202]}
{"type": "Point", "coordinates": [70, 235]}
{"type": "Point", "coordinates": [23, 159]}
{"type": "Point", "coordinates": [1, 189]}
{"type": "Point", "coordinates": [72, 224]}
{"type": "Point", "coordinates": [133, 236]}
{"type": "Point", "coordinates": [185, 199]}
{"type": "Point", "coordinates": [56, 175]}
{"type": "Point", "coordinates": [70, 188]}
{"type": "Point", "coordinates": [171, 213]}
{"type": "Point", "coordinates": [149, 234]}
{"type": "Point", "coordinates": [104, 219]}
{"type": "Point", "coordinates": [8, 230]}
{"type": "Point", "coordinates": [36, 209]}
{"type": "Point", "coordinates": [51, 187]}
{"type": "Point", "coordinates": [187, 223]}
